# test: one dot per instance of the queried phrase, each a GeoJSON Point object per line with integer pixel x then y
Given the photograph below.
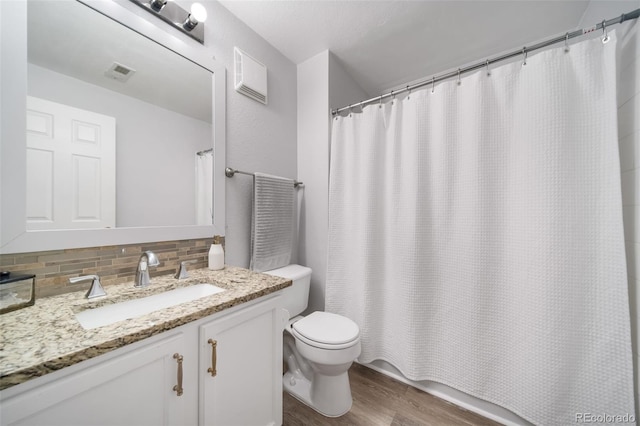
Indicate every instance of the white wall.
{"type": "Point", "coordinates": [155, 149]}
{"type": "Point", "coordinates": [313, 166]}
{"type": "Point", "coordinates": [322, 84]}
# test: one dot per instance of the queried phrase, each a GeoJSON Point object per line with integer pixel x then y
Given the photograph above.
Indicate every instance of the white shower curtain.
{"type": "Point", "coordinates": [204, 188]}
{"type": "Point", "coordinates": [475, 235]}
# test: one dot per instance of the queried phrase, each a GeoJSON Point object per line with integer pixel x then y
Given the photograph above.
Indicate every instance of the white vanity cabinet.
{"type": "Point", "coordinates": [138, 383]}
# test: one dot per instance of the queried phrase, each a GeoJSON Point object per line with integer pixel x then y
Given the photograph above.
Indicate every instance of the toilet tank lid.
{"type": "Point", "coordinates": [292, 272]}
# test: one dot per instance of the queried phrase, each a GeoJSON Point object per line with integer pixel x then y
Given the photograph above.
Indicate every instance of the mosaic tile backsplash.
{"type": "Point", "coordinates": [114, 264]}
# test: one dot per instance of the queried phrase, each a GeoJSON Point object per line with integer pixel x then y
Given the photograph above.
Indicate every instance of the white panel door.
{"type": "Point", "coordinates": [71, 167]}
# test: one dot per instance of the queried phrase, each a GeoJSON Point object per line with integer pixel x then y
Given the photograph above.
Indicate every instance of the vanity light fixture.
{"type": "Point", "coordinates": [189, 23]}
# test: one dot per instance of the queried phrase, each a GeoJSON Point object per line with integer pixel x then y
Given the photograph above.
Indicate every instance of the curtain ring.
{"type": "Point", "coordinates": [380, 106]}
{"type": "Point", "coordinates": [362, 106]}
{"type": "Point", "coordinates": [605, 39]}
{"type": "Point", "coordinates": [459, 81]}
{"type": "Point", "coordinates": [566, 42]}
{"type": "Point", "coordinates": [433, 85]}
{"type": "Point", "coordinates": [524, 54]}
{"type": "Point", "coordinates": [409, 89]}
{"type": "Point", "coordinates": [486, 64]}
{"type": "Point", "coordinates": [393, 98]}
{"type": "Point", "coordinates": [350, 110]}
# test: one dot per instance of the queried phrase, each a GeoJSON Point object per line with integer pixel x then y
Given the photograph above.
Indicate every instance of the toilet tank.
{"type": "Point", "coordinates": [296, 297]}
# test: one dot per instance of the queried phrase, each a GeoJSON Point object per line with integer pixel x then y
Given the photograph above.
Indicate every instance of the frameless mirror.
{"type": "Point", "coordinates": [123, 130]}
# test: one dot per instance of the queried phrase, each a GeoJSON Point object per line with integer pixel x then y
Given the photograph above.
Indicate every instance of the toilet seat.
{"type": "Point", "coordinates": [326, 330]}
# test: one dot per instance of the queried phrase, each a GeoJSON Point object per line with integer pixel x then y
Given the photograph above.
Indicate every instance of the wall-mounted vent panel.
{"type": "Point", "coordinates": [119, 72]}
{"type": "Point", "coordinates": [250, 76]}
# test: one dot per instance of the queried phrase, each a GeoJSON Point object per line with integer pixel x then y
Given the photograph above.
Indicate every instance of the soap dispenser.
{"type": "Point", "coordinates": [216, 256]}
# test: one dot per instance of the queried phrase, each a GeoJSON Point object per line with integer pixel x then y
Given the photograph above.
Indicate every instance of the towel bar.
{"type": "Point", "coordinates": [229, 172]}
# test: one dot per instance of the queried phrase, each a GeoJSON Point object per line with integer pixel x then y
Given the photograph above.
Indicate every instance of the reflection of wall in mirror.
{"type": "Point", "coordinates": [155, 149]}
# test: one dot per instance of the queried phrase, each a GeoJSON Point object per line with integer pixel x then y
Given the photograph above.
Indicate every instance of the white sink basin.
{"type": "Point", "coordinates": [109, 314]}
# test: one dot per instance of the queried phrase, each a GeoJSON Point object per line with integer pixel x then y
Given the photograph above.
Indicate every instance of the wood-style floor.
{"type": "Point", "coordinates": [379, 400]}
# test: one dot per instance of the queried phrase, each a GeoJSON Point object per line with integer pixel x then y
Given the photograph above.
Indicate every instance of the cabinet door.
{"type": "Point", "coordinates": [246, 387]}
{"type": "Point", "coordinates": [135, 388]}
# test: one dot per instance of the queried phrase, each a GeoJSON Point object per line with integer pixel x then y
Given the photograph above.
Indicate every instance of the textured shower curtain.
{"type": "Point", "coordinates": [476, 237]}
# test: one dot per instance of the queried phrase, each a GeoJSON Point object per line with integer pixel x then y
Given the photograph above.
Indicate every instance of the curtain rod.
{"type": "Point", "coordinates": [569, 35]}
{"type": "Point", "coordinates": [229, 172]}
{"type": "Point", "coordinates": [206, 151]}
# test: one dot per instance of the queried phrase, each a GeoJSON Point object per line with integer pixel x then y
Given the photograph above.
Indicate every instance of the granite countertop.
{"type": "Point", "coordinates": [46, 337]}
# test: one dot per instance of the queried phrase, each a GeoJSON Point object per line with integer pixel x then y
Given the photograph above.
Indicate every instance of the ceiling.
{"type": "Point", "coordinates": [387, 44]}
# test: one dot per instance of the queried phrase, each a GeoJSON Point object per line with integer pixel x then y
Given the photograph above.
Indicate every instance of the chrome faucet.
{"type": "Point", "coordinates": [147, 259]}
{"type": "Point", "coordinates": [95, 290]}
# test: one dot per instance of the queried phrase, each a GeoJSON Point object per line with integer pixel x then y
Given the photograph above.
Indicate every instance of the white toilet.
{"type": "Point", "coordinates": [318, 349]}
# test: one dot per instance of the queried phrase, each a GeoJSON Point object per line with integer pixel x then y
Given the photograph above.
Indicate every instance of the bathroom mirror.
{"type": "Point", "coordinates": [149, 101]}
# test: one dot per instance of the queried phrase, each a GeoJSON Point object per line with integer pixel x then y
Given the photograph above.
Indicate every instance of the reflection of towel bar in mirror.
{"type": "Point", "coordinates": [206, 151]}
{"type": "Point", "coordinates": [229, 172]}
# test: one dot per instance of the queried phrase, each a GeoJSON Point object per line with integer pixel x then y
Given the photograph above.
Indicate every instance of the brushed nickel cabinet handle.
{"type": "Point", "coordinates": [214, 356]}
{"type": "Point", "coordinates": [178, 387]}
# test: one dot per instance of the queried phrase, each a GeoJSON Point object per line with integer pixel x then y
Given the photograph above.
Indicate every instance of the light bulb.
{"type": "Point", "coordinates": [198, 12]}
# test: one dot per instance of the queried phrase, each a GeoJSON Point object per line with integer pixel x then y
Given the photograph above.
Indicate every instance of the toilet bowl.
{"type": "Point", "coordinates": [318, 349]}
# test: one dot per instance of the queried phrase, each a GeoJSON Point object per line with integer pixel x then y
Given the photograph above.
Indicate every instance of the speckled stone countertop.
{"type": "Point", "coordinates": [46, 337]}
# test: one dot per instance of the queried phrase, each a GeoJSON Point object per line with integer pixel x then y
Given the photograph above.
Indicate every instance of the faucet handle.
{"type": "Point", "coordinates": [181, 273]}
{"type": "Point", "coordinates": [95, 290]}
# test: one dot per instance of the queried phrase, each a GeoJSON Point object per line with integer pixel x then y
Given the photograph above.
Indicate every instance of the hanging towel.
{"type": "Point", "coordinates": [273, 222]}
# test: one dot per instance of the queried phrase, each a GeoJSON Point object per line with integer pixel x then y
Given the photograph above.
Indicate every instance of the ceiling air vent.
{"type": "Point", "coordinates": [250, 76]}
{"type": "Point", "coordinates": [119, 72]}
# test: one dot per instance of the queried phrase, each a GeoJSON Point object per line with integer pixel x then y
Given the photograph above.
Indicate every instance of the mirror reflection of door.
{"type": "Point", "coordinates": [71, 177]}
